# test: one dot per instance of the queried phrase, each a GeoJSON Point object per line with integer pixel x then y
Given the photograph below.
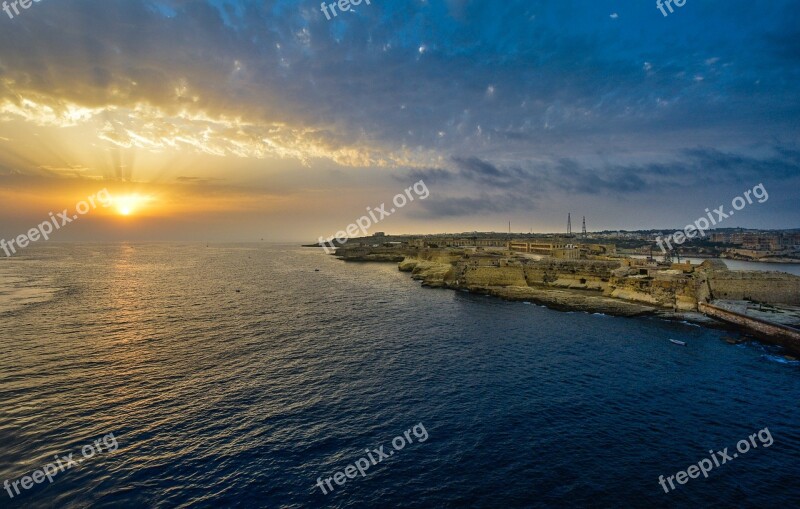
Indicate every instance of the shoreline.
{"type": "Point", "coordinates": [446, 270]}
{"type": "Point", "coordinates": [694, 319]}
{"type": "Point", "coordinates": [557, 299]}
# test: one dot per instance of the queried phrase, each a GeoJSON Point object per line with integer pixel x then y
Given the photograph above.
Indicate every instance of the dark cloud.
{"type": "Point", "coordinates": [499, 188]}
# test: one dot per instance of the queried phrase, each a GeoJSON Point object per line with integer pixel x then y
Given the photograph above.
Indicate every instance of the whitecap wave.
{"type": "Point", "coordinates": [781, 360]}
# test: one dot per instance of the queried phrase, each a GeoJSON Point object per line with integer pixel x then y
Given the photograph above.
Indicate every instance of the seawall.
{"type": "Point", "coordinates": [786, 337]}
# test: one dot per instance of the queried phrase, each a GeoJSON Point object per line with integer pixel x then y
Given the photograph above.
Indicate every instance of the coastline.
{"type": "Point", "coordinates": [767, 259]}
{"type": "Point", "coordinates": [566, 292]}
{"type": "Point", "coordinates": [559, 299]}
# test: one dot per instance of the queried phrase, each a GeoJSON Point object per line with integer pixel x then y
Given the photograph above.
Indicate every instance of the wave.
{"type": "Point", "coordinates": [18, 290]}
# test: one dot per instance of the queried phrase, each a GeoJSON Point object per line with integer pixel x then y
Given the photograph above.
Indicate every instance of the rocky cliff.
{"type": "Point", "coordinates": [373, 254]}
{"type": "Point", "coordinates": [612, 286]}
{"type": "Point", "coordinates": [567, 285]}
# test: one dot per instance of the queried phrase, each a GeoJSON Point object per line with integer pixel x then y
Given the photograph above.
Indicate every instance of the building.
{"type": "Point", "coordinates": [561, 249]}
{"type": "Point", "coordinates": [442, 241]}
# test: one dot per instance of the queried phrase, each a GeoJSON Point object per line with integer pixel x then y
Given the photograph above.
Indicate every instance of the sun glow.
{"type": "Point", "coordinates": [129, 204]}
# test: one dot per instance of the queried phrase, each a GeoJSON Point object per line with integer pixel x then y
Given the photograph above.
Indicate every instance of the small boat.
{"type": "Point", "coordinates": [681, 343]}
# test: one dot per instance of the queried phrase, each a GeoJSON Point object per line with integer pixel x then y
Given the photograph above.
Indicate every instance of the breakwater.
{"type": "Point", "coordinates": [775, 333]}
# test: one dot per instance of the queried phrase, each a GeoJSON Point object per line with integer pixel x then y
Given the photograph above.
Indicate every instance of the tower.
{"type": "Point", "coordinates": [569, 224]}
{"type": "Point", "coordinates": [584, 227]}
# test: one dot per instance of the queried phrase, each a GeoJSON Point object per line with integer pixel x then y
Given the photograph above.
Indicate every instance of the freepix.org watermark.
{"type": "Point", "coordinates": [25, 4]}
{"type": "Point", "coordinates": [61, 465]}
{"type": "Point", "coordinates": [668, 4]}
{"type": "Point", "coordinates": [719, 458]}
{"type": "Point", "coordinates": [343, 5]}
{"type": "Point", "coordinates": [55, 222]}
{"type": "Point", "coordinates": [700, 226]}
{"type": "Point", "coordinates": [363, 223]}
{"type": "Point", "coordinates": [375, 456]}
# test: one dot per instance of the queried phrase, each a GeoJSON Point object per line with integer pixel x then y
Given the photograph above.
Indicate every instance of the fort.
{"type": "Point", "coordinates": [568, 274]}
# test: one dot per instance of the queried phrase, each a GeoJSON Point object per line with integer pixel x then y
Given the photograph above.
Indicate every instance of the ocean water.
{"type": "Point", "coordinates": [219, 398]}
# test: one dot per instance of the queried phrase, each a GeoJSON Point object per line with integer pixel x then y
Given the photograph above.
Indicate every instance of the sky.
{"type": "Point", "coordinates": [224, 120]}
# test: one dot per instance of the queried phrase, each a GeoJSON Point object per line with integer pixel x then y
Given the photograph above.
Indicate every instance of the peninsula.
{"type": "Point", "coordinates": [571, 274]}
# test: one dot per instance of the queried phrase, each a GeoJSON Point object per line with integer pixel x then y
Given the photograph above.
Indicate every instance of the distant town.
{"type": "Point", "coordinates": [732, 243]}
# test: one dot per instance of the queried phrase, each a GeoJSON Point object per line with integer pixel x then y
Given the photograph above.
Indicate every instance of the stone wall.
{"type": "Point", "coordinates": [771, 332]}
{"type": "Point", "coordinates": [492, 276]}
{"type": "Point", "coordinates": [767, 287]}
{"type": "Point", "coordinates": [575, 274]}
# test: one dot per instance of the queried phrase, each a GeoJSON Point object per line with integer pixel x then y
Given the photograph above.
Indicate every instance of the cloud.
{"type": "Point", "coordinates": [494, 188]}
{"type": "Point", "coordinates": [72, 170]}
{"type": "Point", "coordinates": [510, 104]}
{"type": "Point", "coordinates": [280, 81]}
{"type": "Point", "coordinates": [195, 180]}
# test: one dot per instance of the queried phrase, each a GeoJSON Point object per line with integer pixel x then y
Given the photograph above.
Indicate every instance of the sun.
{"type": "Point", "coordinates": [128, 204]}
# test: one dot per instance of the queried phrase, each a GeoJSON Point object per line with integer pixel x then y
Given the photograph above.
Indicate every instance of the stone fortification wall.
{"type": "Point", "coordinates": [768, 287]}
{"type": "Point", "coordinates": [774, 333]}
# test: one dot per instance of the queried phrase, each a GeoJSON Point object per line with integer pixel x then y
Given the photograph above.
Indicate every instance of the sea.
{"type": "Point", "coordinates": [247, 375]}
